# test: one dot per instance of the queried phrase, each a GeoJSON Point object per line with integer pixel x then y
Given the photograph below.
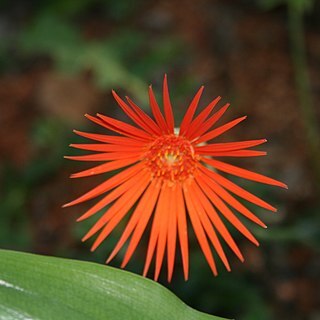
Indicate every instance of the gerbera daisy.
{"type": "Point", "coordinates": [169, 176]}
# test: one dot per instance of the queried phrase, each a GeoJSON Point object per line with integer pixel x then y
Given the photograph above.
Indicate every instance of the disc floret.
{"type": "Point", "coordinates": [172, 158]}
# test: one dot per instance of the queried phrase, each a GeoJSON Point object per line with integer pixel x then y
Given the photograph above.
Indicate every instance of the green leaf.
{"type": "Point", "coordinates": [40, 287]}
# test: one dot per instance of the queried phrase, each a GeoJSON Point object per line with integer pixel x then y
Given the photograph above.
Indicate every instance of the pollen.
{"type": "Point", "coordinates": [172, 158]}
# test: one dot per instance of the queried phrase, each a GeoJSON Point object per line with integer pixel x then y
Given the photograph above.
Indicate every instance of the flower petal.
{"type": "Point", "coordinates": [106, 167]}
{"type": "Point", "coordinates": [119, 140]}
{"type": "Point", "coordinates": [243, 173]}
{"type": "Point", "coordinates": [149, 122]}
{"type": "Point", "coordinates": [199, 120]}
{"type": "Point", "coordinates": [244, 194]}
{"type": "Point", "coordinates": [108, 185]}
{"type": "Point", "coordinates": [228, 198]}
{"type": "Point", "coordinates": [116, 212]}
{"type": "Point", "coordinates": [220, 205]}
{"type": "Point", "coordinates": [106, 156]}
{"type": "Point", "coordinates": [216, 221]}
{"type": "Point", "coordinates": [198, 228]}
{"type": "Point", "coordinates": [156, 112]}
{"type": "Point", "coordinates": [137, 222]}
{"type": "Point", "coordinates": [163, 229]}
{"type": "Point", "coordinates": [124, 127]}
{"type": "Point", "coordinates": [113, 195]}
{"type": "Point", "coordinates": [132, 114]}
{"type": "Point", "coordinates": [207, 225]}
{"type": "Point", "coordinates": [209, 123]}
{"type": "Point", "coordinates": [155, 229]}
{"type": "Point", "coordinates": [228, 146]}
{"type": "Point", "coordinates": [220, 130]}
{"type": "Point", "coordinates": [104, 147]}
{"type": "Point", "coordinates": [238, 153]}
{"type": "Point", "coordinates": [190, 112]}
{"type": "Point", "coordinates": [167, 105]}
{"type": "Point", "coordinates": [172, 231]}
{"type": "Point", "coordinates": [182, 229]}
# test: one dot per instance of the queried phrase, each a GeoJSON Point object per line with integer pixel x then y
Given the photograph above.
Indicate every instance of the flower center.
{"type": "Point", "coordinates": [171, 157]}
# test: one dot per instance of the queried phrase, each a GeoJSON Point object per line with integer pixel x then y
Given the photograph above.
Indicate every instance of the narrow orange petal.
{"type": "Point", "coordinates": [238, 153]}
{"type": "Point", "coordinates": [220, 205]}
{"type": "Point", "coordinates": [106, 167]}
{"type": "Point", "coordinates": [125, 127]}
{"type": "Point", "coordinates": [114, 194]}
{"type": "Point", "coordinates": [103, 147]}
{"type": "Point", "coordinates": [106, 156]}
{"type": "Point", "coordinates": [114, 221]}
{"type": "Point", "coordinates": [198, 229]}
{"type": "Point", "coordinates": [137, 223]}
{"type": "Point", "coordinates": [108, 185]}
{"type": "Point", "coordinates": [190, 112]}
{"type": "Point", "coordinates": [228, 146]}
{"type": "Point", "coordinates": [209, 123]}
{"type": "Point", "coordinates": [155, 229]}
{"type": "Point", "coordinates": [109, 139]}
{"type": "Point", "coordinates": [228, 198]}
{"type": "Point", "coordinates": [244, 194]}
{"type": "Point", "coordinates": [132, 114]}
{"type": "Point", "coordinates": [119, 208]}
{"type": "Point", "coordinates": [243, 173]}
{"type": "Point", "coordinates": [198, 121]}
{"type": "Point", "coordinates": [167, 105]}
{"type": "Point", "coordinates": [220, 130]}
{"type": "Point", "coordinates": [121, 128]}
{"type": "Point", "coordinates": [172, 231]}
{"type": "Point", "coordinates": [164, 211]}
{"type": "Point", "coordinates": [156, 112]}
{"type": "Point", "coordinates": [207, 225]}
{"type": "Point", "coordinates": [217, 222]}
{"type": "Point", "coordinates": [182, 229]}
{"type": "Point", "coordinates": [149, 122]}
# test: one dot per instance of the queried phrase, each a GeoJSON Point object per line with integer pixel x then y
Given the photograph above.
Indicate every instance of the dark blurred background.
{"type": "Point", "coordinates": [60, 59]}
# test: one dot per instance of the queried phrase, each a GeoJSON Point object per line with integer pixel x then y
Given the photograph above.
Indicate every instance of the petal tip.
{"type": "Point", "coordinates": [108, 260]}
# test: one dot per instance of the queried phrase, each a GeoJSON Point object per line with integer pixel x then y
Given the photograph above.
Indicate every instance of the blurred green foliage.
{"type": "Point", "coordinates": [300, 5]}
{"type": "Point", "coordinates": [49, 34]}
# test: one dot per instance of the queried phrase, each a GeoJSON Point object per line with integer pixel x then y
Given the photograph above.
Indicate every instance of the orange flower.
{"type": "Point", "coordinates": [166, 177]}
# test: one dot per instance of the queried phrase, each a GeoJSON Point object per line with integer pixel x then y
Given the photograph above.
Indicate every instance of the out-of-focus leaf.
{"type": "Point", "coordinates": [39, 287]}
{"type": "Point", "coordinates": [305, 231]}
{"type": "Point", "coordinates": [300, 5]}
{"type": "Point", "coordinates": [73, 54]}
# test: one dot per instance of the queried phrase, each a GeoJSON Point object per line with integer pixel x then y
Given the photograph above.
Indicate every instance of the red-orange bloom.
{"type": "Point", "coordinates": [166, 177]}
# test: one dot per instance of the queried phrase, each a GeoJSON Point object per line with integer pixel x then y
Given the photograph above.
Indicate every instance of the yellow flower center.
{"type": "Point", "coordinates": [171, 157]}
